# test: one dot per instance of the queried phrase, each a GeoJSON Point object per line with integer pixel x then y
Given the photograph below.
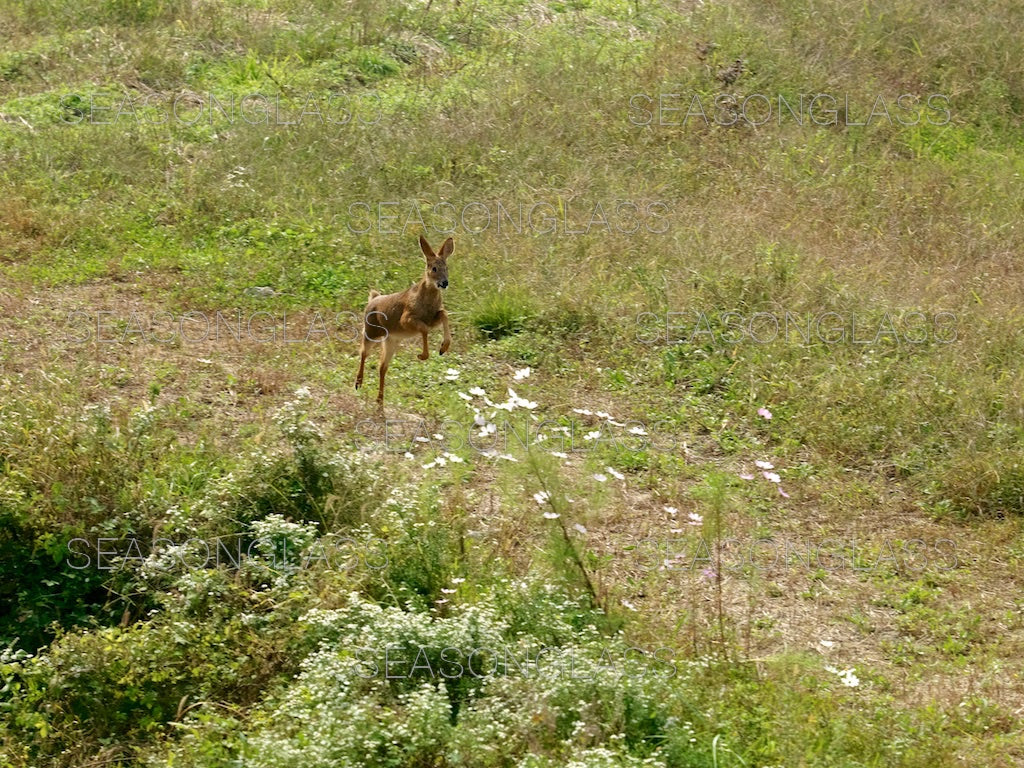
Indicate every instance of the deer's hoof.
{"type": "Point", "coordinates": [444, 347]}
{"type": "Point", "coordinates": [423, 355]}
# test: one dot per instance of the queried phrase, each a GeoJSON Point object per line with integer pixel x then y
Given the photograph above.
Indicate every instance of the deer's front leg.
{"type": "Point", "coordinates": [411, 324]}
{"type": "Point", "coordinates": [447, 341]}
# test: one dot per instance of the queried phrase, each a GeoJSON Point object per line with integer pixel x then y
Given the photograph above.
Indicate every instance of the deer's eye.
{"type": "Point", "coordinates": [433, 269]}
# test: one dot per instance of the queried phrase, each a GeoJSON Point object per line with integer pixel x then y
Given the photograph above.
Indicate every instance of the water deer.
{"type": "Point", "coordinates": [391, 318]}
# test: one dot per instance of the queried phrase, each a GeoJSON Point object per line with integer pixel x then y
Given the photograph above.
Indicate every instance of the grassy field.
{"type": "Point", "coordinates": [724, 466]}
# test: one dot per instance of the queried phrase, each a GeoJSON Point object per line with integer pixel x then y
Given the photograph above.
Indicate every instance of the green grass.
{"type": "Point", "coordinates": [636, 261]}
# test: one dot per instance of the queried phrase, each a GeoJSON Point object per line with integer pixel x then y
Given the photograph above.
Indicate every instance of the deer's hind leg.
{"type": "Point", "coordinates": [386, 353]}
{"type": "Point", "coordinates": [442, 317]}
{"type": "Point", "coordinates": [363, 352]}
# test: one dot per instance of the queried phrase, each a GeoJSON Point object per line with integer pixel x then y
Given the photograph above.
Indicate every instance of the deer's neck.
{"type": "Point", "coordinates": [427, 292]}
{"type": "Point", "coordinates": [426, 287]}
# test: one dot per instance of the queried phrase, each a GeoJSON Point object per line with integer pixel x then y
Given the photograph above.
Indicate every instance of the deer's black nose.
{"type": "Point", "coordinates": [443, 283]}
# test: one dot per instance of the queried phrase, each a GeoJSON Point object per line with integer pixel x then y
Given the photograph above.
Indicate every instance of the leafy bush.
{"type": "Point", "coordinates": [93, 479]}
{"type": "Point", "coordinates": [304, 481]}
{"type": "Point", "coordinates": [116, 685]}
{"type": "Point", "coordinates": [391, 687]}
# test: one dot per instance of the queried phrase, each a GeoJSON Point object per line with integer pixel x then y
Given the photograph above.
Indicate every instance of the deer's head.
{"type": "Point", "coordinates": [437, 263]}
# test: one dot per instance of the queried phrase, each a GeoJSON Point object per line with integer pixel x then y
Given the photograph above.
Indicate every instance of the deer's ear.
{"type": "Point", "coordinates": [447, 248]}
{"type": "Point", "coordinates": [425, 247]}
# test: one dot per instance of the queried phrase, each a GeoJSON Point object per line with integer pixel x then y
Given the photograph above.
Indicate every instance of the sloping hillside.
{"type": "Point", "coordinates": [724, 466]}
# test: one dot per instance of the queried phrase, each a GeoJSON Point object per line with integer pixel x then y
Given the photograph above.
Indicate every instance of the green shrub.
{"type": "Point", "coordinates": [118, 685]}
{"type": "Point", "coordinates": [502, 314]}
{"type": "Point", "coordinates": [302, 480]}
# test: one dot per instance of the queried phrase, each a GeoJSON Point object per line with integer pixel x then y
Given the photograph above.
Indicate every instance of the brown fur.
{"type": "Point", "coordinates": [391, 318]}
